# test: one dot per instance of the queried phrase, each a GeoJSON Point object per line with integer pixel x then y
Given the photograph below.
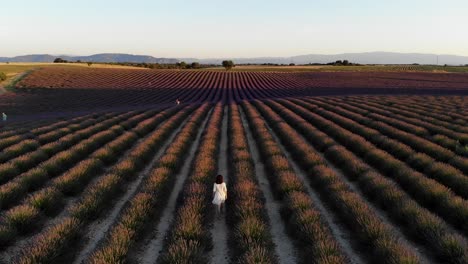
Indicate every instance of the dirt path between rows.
{"type": "Point", "coordinates": [97, 230]}
{"type": "Point", "coordinates": [219, 232]}
{"type": "Point", "coordinates": [285, 249]}
{"type": "Point", "coordinates": [2, 89]}
{"type": "Point", "coordinates": [12, 80]}
{"type": "Point", "coordinates": [342, 235]}
{"type": "Point", "coordinates": [150, 248]}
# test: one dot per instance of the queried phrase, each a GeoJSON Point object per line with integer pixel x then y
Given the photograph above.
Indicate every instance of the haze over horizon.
{"type": "Point", "coordinates": [210, 29]}
{"type": "Point", "coordinates": [230, 57]}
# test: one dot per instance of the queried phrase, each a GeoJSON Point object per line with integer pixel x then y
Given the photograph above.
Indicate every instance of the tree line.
{"type": "Point", "coordinates": [227, 64]}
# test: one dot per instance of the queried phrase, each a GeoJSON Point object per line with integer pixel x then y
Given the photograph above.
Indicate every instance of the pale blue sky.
{"type": "Point", "coordinates": [237, 28]}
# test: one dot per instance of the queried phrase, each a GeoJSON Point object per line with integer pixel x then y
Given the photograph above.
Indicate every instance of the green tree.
{"type": "Point", "coordinates": [60, 60]}
{"type": "Point", "coordinates": [2, 76]}
{"type": "Point", "coordinates": [181, 65]}
{"type": "Point", "coordinates": [195, 65]}
{"type": "Point", "coordinates": [228, 64]}
{"type": "Point", "coordinates": [90, 63]}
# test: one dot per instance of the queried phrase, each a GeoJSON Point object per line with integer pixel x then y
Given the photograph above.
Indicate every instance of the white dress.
{"type": "Point", "coordinates": [220, 193]}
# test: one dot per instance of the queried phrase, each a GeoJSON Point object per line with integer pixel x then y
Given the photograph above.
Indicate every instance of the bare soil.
{"type": "Point", "coordinates": [2, 90]}
{"type": "Point", "coordinates": [219, 253]}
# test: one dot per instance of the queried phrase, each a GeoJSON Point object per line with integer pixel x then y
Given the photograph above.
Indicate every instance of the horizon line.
{"type": "Point", "coordinates": [211, 58]}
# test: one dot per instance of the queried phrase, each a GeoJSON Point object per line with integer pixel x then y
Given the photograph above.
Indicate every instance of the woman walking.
{"type": "Point", "coordinates": [219, 193]}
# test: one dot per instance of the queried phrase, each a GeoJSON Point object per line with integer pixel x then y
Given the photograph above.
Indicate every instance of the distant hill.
{"type": "Point", "coordinates": [384, 58]}
{"type": "Point", "coordinates": [103, 57]}
{"type": "Point", "coordinates": [117, 57]}
{"type": "Point", "coordinates": [363, 58]}
{"type": "Point", "coordinates": [30, 58]}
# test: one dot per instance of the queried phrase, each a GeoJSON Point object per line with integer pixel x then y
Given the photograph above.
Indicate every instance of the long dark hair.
{"type": "Point", "coordinates": [219, 179]}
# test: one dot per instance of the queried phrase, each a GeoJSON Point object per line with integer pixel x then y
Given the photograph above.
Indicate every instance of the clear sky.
{"type": "Point", "coordinates": [237, 28]}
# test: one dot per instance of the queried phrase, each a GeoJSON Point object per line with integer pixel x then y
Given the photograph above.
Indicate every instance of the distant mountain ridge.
{"type": "Point", "coordinates": [102, 57]}
{"type": "Point", "coordinates": [363, 58]}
